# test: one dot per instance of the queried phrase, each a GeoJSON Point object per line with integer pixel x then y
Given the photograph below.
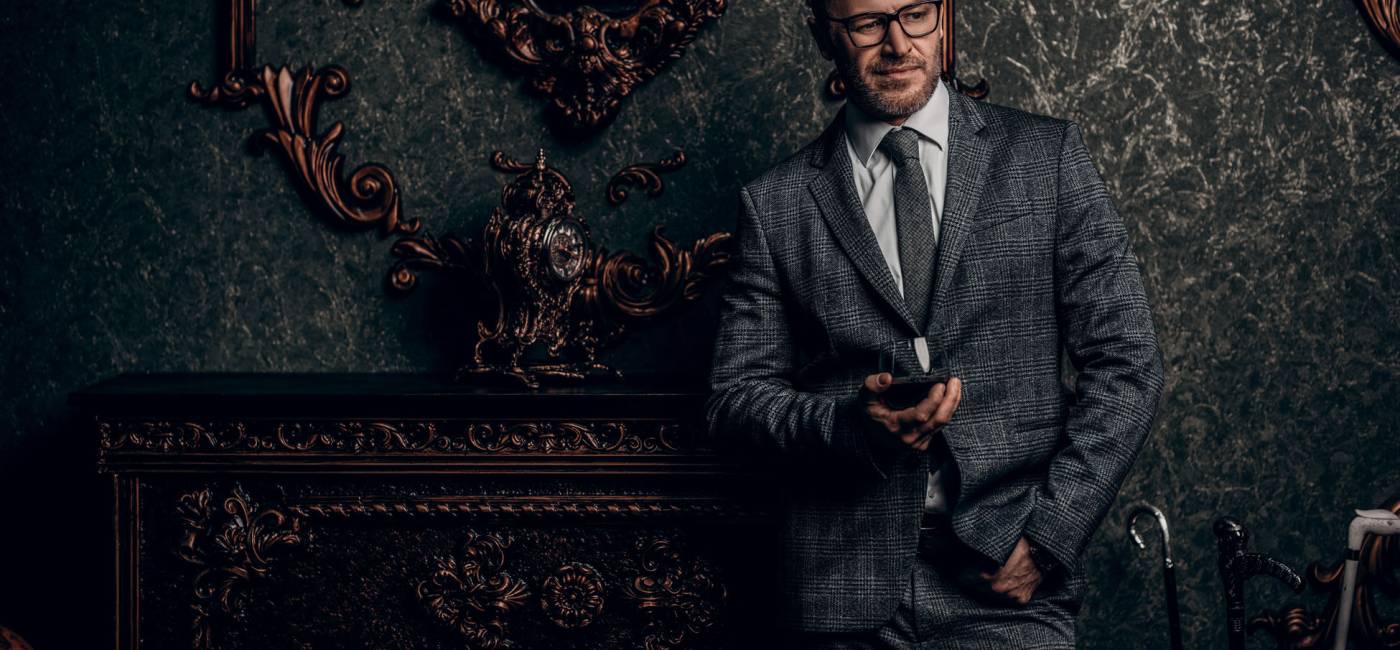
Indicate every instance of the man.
{"type": "Point", "coordinates": [986, 235]}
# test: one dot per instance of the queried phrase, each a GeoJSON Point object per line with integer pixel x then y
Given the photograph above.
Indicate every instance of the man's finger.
{"type": "Point", "coordinates": [951, 399]}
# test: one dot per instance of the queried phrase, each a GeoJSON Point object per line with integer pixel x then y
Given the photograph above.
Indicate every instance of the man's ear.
{"type": "Point", "coordinates": [821, 34]}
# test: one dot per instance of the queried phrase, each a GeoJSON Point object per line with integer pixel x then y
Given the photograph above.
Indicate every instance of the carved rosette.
{"type": "Point", "coordinates": [586, 61]}
{"type": "Point", "coordinates": [473, 594]}
{"type": "Point", "coordinates": [572, 596]}
{"type": "Point", "coordinates": [679, 595]}
{"type": "Point", "coordinates": [1378, 570]}
{"type": "Point", "coordinates": [232, 546]}
{"type": "Point", "coordinates": [372, 436]}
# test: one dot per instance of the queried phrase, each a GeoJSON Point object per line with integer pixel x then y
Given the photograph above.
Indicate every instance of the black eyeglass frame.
{"type": "Point", "coordinates": [891, 17]}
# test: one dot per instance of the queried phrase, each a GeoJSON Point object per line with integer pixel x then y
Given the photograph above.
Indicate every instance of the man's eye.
{"type": "Point", "coordinates": [868, 26]}
{"type": "Point", "coordinates": [916, 15]}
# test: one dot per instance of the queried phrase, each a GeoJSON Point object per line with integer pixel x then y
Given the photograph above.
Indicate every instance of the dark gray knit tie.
{"type": "Point", "coordinates": [913, 218]}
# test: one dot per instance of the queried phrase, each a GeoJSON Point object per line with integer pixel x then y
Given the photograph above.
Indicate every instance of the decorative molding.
{"type": "Point", "coordinates": [644, 175]}
{"type": "Point", "coordinates": [572, 596]}
{"type": "Point", "coordinates": [237, 43]}
{"type": "Point", "coordinates": [524, 507]}
{"type": "Point", "coordinates": [374, 436]}
{"type": "Point", "coordinates": [585, 61]}
{"type": "Point", "coordinates": [370, 196]}
{"type": "Point", "coordinates": [1379, 569]}
{"type": "Point", "coordinates": [624, 289]}
{"type": "Point", "coordinates": [835, 88]}
{"type": "Point", "coordinates": [680, 595]}
{"type": "Point", "coordinates": [1384, 16]}
{"type": "Point", "coordinates": [474, 595]}
{"type": "Point", "coordinates": [231, 549]}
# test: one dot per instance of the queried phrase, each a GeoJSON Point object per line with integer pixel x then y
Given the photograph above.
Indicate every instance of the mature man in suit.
{"type": "Point", "coordinates": [985, 233]}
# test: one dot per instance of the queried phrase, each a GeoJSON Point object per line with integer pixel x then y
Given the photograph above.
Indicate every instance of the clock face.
{"type": "Point", "coordinates": [565, 249]}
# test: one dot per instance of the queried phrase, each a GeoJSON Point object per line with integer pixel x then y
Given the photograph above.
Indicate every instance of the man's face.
{"type": "Point", "coordinates": [891, 80]}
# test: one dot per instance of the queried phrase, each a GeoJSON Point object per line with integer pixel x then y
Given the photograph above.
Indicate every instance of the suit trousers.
{"type": "Point", "coordinates": [937, 612]}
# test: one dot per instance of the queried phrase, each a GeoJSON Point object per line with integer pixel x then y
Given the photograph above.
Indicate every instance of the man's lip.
{"type": "Point", "coordinates": [898, 70]}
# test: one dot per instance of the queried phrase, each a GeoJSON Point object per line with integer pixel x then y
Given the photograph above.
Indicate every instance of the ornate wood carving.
{"type": "Point", "coordinates": [572, 596]}
{"type": "Point", "coordinates": [835, 88]}
{"type": "Point", "coordinates": [474, 595]}
{"type": "Point", "coordinates": [236, 53]}
{"type": "Point", "coordinates": [583, 60]}
{"type": "Point", "coordinates": [592, 508]}
{"type": "Point", "coordinates": [231, 547]}
{"type": "Point", "coordinates": [370, 196]}
{"type": "Point", "coordinates": [615, 291]}
{"type": "Point", "coordinates": [1379, 570]}
{"type": "Point", "coordinates": [643, 175]}
{"type": "Point", "coordinates": [679, 594]}
{"type": "Point", "coordinates": [1384, 16]}
{"type": "Point", "coordinates": [371, 436]}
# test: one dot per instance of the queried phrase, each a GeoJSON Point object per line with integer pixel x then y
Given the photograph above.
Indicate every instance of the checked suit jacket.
{"type": "Point", "coordinates": [1033, 268]}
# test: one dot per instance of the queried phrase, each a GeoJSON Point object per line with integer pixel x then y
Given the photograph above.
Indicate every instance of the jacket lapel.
{"type": "Point", "coordinates": [968, 153]}
{"type": "Point", "coordinates": [835, 193]}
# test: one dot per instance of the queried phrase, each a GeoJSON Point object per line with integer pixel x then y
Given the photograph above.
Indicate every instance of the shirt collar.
{"type": "Point", "coordinates": [930, 121]}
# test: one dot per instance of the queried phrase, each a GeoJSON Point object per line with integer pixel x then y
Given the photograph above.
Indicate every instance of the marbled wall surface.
{"type": "Point", "coordinates": [1252, 148]}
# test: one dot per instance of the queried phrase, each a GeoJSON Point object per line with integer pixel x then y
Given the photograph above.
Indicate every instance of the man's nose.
{"type": "Point", "coordinates": [897, 43]}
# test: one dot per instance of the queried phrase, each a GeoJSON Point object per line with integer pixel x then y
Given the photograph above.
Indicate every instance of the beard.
{"type": "Point", "coordinates": [883, 98]}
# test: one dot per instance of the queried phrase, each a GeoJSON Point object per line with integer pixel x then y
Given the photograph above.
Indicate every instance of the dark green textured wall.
{"type": "Point", "coordinates": [1251, 148]}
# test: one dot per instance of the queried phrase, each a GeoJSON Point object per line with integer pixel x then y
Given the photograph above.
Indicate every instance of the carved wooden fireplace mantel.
{"type": "Point", "coordinates": [398, 511]}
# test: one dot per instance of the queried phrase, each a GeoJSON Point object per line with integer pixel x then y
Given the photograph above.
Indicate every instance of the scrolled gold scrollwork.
{"type": "Point", "coordinates": [169, 436]}
{"type": "Point", "coordinates": [473, 594]}
{"type": "Point", "coordinates": [644, 175]}
{"type": "Point", "coordinates": [679, 594]}
{"type": "Point", "coordinates": [231, 547]}
{"type": "Point", "coordinates": [624, 289]}
{"type": "Point", "coordinates": [1384, 16]}
{"type": "Point", "coordinates": [370, 196]}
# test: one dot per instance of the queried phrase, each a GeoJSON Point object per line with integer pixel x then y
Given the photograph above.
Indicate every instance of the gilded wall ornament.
{"type": "Point", "coordinates": [644, 175]}
{"type": "Point", "coordinates": [473, 594]}
{"type": "Point", "coordinates": [1384, 16]}
{"type": "Point", "coordinates": [585, 58]}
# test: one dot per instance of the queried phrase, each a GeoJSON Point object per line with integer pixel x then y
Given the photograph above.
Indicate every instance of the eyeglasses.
{"type": "Point", "coordinates": [870, 28]}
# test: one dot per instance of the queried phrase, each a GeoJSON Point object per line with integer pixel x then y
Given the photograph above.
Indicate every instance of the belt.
{"type": "Point", "coordinates": [936, 521]}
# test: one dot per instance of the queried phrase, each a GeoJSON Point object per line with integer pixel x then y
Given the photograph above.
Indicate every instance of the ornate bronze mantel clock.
{"type": "Point", "coordinates": [559, 299]}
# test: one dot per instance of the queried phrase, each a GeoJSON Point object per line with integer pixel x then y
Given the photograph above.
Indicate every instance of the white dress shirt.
{"type": "Point", "coordinates": [874, 178]}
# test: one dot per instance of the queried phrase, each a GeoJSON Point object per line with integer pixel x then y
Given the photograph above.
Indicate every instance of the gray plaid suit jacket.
{"type": "Point", "coordinates": [1033, 267]}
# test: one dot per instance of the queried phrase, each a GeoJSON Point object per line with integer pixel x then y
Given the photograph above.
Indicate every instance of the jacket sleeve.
{"type": "Point", "coordinates": [755, 356]}
{"type": "Point", "coordinates": [1106, 328]}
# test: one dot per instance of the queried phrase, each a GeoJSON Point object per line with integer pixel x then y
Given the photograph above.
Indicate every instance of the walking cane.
{"type": "Point", "coordinates": [1236, 566]}
{"type": "Point", "coordinates": [1367, 522]}
{"type": "Point", "coordinates": [1168, 568]}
